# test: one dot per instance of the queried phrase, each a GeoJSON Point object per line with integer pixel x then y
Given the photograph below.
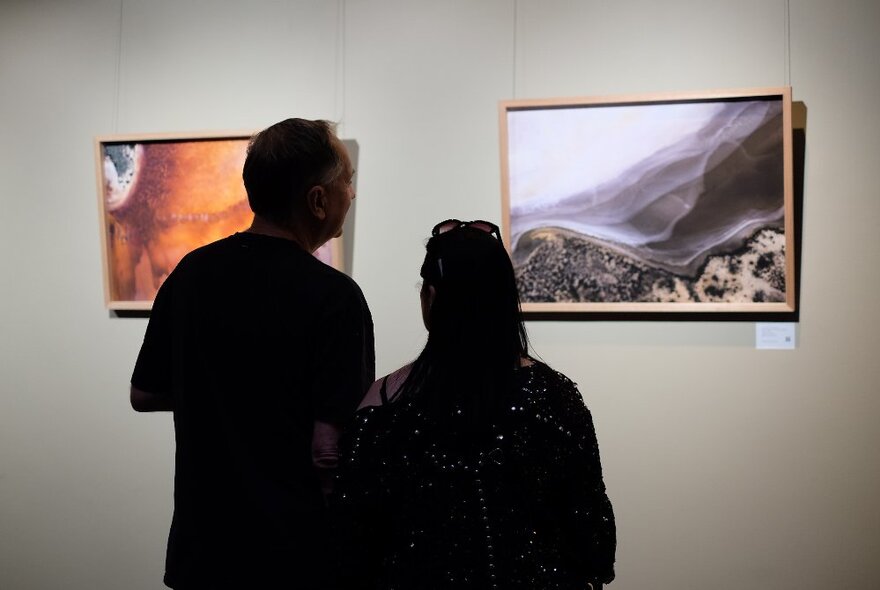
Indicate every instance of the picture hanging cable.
{"type": "Point", "coordinates": [118, 69]}
{"type": "Point", "coordinates": [515, 31]}
{"type": "Point", "coordinates": [787, 37]}
{"type": "Point", "coordinates": [339, 86]}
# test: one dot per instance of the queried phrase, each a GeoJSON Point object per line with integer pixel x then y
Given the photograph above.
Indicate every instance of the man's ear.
{"type": "Point", "coordinates": [316, 202]}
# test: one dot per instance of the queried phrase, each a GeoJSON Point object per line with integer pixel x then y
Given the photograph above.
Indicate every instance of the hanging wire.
{"type": "Point", "coordinates": [515, 31]}
{"type": "Point", "coordinates": [787, 65]}
{"type": "Point", "coordinates": [118, 73]}
{"type": "Point", "coordinates": [339, 97]}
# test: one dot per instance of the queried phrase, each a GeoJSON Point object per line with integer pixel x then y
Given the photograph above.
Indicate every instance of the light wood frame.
{"type": "Point", "coordinates": [534, 170]}
{"type": "Point", "coordinates": [181, 191]}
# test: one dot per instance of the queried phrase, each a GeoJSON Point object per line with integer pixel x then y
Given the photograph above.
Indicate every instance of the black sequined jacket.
{"type": "Point", "coordinates": [523, 508]}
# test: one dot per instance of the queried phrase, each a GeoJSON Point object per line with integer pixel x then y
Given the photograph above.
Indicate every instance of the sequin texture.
{"type": "Point", "coordinates": [523, 506]}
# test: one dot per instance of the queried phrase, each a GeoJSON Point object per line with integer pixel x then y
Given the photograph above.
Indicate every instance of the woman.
{"type": "Point", "coordinates": [476, 466]}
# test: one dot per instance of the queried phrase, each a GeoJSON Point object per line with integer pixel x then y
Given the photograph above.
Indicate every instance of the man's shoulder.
{"type": "Point", "coordinates": [245, 250]}
{"type": "Point", "coordinates": [335, 283]}
{"type": "Point", "coordinates": [207, 251]}
{"type": "Point", "coordinates": [291, 269]}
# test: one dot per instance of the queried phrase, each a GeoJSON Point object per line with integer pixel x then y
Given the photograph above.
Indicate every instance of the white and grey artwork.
{"type": "Point", "coordinates": [668, 202]}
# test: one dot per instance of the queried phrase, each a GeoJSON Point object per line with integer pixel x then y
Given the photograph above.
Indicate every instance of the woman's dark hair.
{"type": "Point", "coordinates": [284, 161]}
{"type": "Point", "coordinates": [476, 335]}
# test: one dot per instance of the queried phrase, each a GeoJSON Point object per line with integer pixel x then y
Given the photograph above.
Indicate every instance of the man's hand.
{"type": "Point", "coordinates": [325, 454]}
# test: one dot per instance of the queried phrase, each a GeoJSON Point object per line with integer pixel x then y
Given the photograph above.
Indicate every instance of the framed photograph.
{"type": "Point", "coordinates": [651, 203]}
{"type": "Point", "coordinates": [161, 196]}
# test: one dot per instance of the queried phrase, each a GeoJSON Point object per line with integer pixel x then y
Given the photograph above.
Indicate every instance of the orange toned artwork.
{"type": "Point", "coordinates": [160, 198]}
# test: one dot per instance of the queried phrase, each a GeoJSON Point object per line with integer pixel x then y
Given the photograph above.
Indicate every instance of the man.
{"type": "Point", "coordinates": [262, 352]}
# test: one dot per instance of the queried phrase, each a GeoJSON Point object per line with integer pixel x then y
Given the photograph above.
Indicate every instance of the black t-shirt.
{"type": "Point", "coordinates": [255, 339]}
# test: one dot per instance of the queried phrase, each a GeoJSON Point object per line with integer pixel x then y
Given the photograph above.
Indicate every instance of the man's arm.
{"type": "Point", "coordinates": [145, 401]}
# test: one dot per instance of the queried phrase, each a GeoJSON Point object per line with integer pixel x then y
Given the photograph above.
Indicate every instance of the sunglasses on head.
{"type": "Point", "coordinates": [452, 224]}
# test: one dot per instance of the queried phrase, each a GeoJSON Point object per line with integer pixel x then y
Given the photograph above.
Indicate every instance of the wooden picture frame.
{"type": "Point", "coordinates": [651, 203]}
{"type": "Point", "coordinates": [161, 196]}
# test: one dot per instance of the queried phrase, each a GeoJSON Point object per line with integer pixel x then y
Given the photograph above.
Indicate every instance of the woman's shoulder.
{"type": "Point", "coordinates": [539, 383]}
{"type": "Point", "coordinates": [550, 400]}
{"type": "Point", "coordinates": [533, 370]}
{"type": "Point", "coordinates": [386, 388]}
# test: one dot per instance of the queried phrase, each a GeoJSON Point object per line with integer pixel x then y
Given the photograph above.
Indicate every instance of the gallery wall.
{"type": "Point", "coordinates": [727, 465]}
